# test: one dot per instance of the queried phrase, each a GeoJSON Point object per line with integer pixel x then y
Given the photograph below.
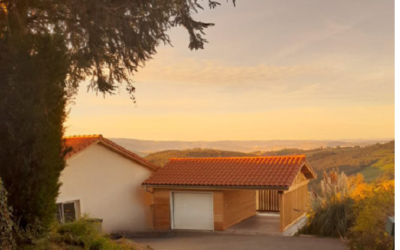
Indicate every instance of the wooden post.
{"type": "Point", "coordinates": [281, 210]}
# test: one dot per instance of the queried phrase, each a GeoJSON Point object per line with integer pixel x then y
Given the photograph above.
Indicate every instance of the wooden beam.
{"type": "Point", "coordinates": [281, 210]}
{"type": "Point", "coordinates": [297, 186]}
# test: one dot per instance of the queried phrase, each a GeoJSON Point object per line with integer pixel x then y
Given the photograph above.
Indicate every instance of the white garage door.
{"type": "Point", "coordinates": [193, 211]}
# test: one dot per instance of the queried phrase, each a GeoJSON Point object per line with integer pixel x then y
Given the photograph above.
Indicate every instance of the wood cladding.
{"type": "Point", "coordinates": [268, 200]}
{"type": "Point", "coordinates": [218, 210]}
{"type": "Point", "coordinates": [293, 205]}
{"type": "Point", "coordinates": [162, 215]}
{"type": "Point", "coordinates": [300, 178]}
{"type": "Point", "coordinates": [238, 205]}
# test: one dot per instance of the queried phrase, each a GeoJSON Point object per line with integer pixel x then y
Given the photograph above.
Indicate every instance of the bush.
{"type": "Point", "coordinates": [331, 213]}
{"type": "Point", "coordinates": [368, 232]}
{"type": "Point", "coordinates": [331, 220]}
{"type": "Point", "coordinates": [83, 234]}
{"type": "Point", "coordinates": [348, 207]}
{"type": "Point", "coordinates": [6, 223]}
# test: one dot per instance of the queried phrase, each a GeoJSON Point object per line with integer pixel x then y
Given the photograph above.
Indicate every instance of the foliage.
{"type": "Point", "coordinates": [332, 220]}
{"type": "Point", "coordinates": [331, 213]}
{"type": "Point", "coordinates": [335, 185]}
{"type": "Point", "coordinates": [47, 48]}
{"type": "Point", "coordinates": [6, 222]}
{"type": "Point", "coordinates": [350, 208]}
{"type": "Point", "coordinates": [32, 114]}
{"type": "Point", "coordinates": [376, 203]}
{"type": "Point", "coordinates": [81, 234]}
{"type": "Point", "coordinates": [106, 40]}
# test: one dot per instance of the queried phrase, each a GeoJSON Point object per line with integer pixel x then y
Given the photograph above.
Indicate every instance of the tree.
{"type": "Point", "coordinates": [6, 223]}
{"type": "Point", "coordinates": [32, 113]}
{"type": "Point", "coordinates": [47, 48]}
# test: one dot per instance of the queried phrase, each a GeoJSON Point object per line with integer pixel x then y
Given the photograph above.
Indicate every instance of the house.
{"type": "Point", "coordinates": [216, 193]}
{"type": "Point", "coordinates": [103, 180]}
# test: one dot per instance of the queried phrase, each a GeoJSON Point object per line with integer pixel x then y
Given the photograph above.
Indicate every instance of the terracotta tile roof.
{"type": "Point", "coordinates": [231, 171]}
{"type": "Point", "coordinates": [81, 142]}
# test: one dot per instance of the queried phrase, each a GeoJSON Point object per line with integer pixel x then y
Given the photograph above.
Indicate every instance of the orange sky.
{"type": "Point", "coordinates": [310, 69]}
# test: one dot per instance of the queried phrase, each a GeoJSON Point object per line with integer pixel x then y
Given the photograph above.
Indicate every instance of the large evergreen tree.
{"type": "Point", "coordinates": [47, 47]}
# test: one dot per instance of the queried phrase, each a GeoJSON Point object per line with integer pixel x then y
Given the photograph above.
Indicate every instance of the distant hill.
{"type": "Point", "coordinates": [162, 157]}
{"type": "Point", "coordinates": [371, 161]}
{"type": "Point", "coordinates": [146, 147]}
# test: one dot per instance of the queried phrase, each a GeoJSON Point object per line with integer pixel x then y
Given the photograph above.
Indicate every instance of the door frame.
{"type": "Point", "coordinates": [172, 209]}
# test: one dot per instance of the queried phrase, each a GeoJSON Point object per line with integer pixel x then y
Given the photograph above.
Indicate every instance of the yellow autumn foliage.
{"type": "Point", "coordinates": [374, 203]}
{"type": "Point", "coordinates": [347, 206]}
{"type": "Point", "coordinates": [364, 190]}
{"type": "Point", "coordinates": [3, 8]}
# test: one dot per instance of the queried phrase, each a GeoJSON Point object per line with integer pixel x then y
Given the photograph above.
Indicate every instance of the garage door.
{"type": "Point", "coordinates": [193, 211]}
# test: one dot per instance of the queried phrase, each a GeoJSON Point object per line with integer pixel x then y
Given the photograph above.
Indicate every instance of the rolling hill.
{"type": "Point", "coordinates": [147, 146]}
{"type": "Point", "coordinates": [371, 161]}
{"type": "Point", "coordinates": [162, 157]}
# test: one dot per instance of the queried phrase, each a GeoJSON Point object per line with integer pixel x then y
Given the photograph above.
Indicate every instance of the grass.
{"type": "Point", "coordinates": [371, 173]}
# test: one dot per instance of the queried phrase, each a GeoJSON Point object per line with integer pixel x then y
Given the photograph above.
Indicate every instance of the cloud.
{"type": "Point", "coordinates": [211, 73]}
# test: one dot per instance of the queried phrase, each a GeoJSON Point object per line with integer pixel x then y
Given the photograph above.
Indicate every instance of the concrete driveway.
{"type": "Point", "coordinates": [239, 242]}
{"type": "Point", "coordinates": [265, 224]}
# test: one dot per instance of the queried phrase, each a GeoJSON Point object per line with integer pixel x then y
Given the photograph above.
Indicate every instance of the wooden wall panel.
{"type": "Point", "coordinates": [162, 215]}
{"type": "Point", "coordinates": [218, 210]}
{"type": "Point", "coordinates": [300, 178]}
{"type": "Point", "coordinates": [293, 205]}
{"type": "Point", "coordinates": [238, 205]}
{"type": "Point", "coordinates": [268, 200]}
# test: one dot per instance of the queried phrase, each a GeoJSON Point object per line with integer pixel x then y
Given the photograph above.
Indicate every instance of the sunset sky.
{"type": "Point", "coordinates": [273, 69]}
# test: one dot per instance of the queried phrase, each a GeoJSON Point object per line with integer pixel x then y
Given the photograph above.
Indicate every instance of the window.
{"type": "Point", "coordinates": [68, 211]}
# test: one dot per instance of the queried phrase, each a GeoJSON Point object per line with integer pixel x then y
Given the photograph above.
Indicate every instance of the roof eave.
{"type": "Point", "coordinates": [311, 170]}
{"type": "Point", "coordinates": [117, 150]}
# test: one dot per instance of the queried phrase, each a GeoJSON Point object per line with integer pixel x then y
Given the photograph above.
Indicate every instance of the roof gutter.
{"type": "Point", "coordinates": [218, 187]}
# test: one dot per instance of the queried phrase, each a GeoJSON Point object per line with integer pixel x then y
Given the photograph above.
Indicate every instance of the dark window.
{"type": "Point", "coordinates": [67, 211]}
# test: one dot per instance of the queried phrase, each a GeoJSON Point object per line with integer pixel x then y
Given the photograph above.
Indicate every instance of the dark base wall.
{"type": "Point", "coordinates": [230, 207]}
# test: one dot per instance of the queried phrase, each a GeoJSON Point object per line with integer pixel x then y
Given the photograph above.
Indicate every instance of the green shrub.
{"type": "Point", "coordinates": [331, 214]}
{"type": "Point", "coordinates": [83, 234]}
{"type": "Point", "coordinates": [332, 220]}
{"type": "Point", "coordinates": [6, 223]}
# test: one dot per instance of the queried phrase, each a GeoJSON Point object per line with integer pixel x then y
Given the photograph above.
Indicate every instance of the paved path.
{"type": "Point", "coordinates": [239, 242]}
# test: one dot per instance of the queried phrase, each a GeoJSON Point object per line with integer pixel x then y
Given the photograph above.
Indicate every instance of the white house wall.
{"type": "Point", "coordinates": [108, 186]}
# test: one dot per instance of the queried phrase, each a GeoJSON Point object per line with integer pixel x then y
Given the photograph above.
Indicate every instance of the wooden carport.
{"type": "Point", "coordinates": [291, 203]}
{"type": "Point", "coordinates": [239, 186]}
